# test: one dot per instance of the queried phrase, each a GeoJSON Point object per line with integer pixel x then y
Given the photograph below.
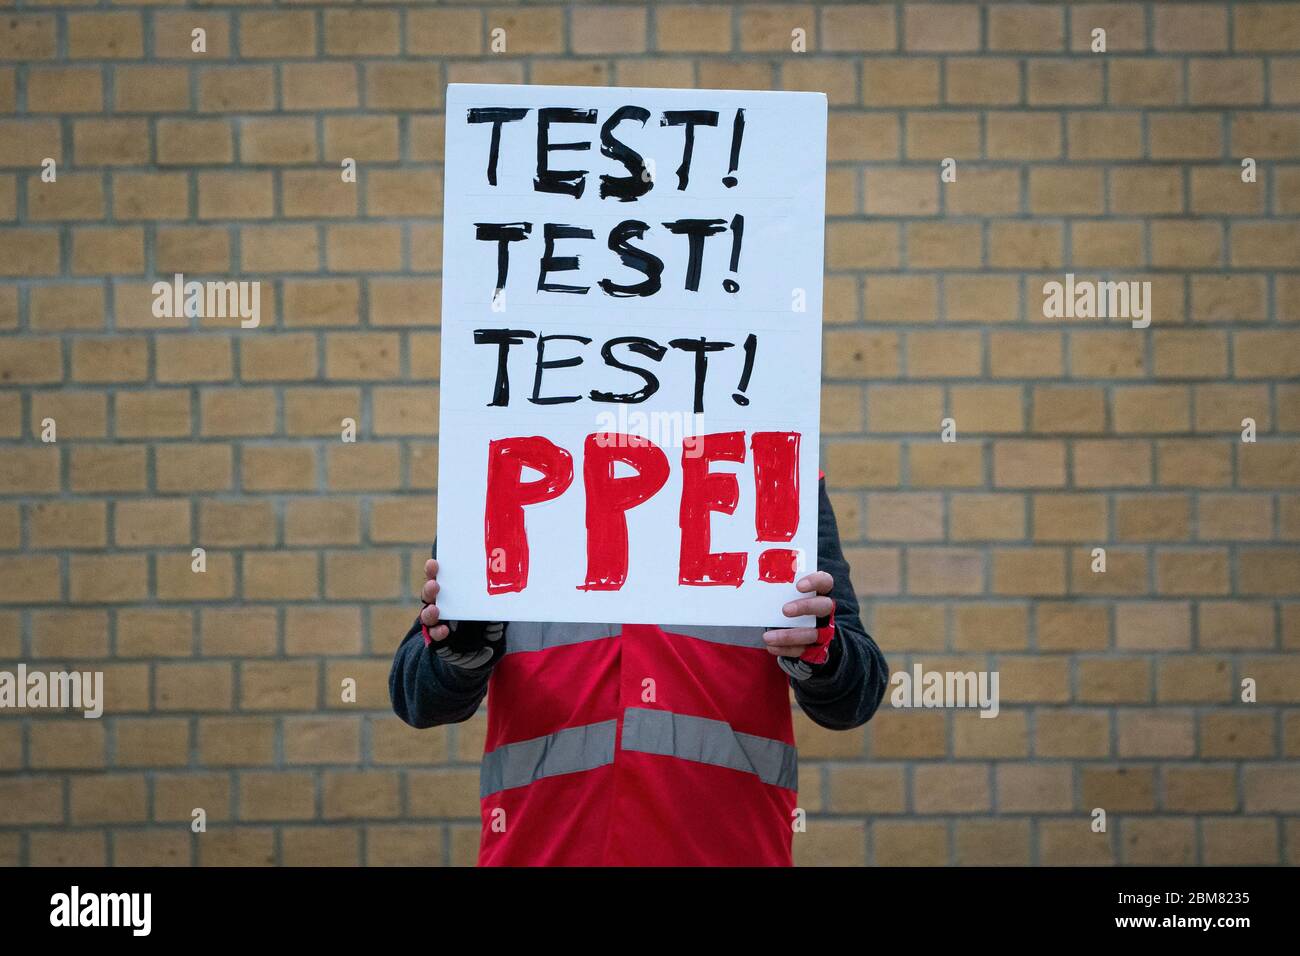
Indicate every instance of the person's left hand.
{"type": "Point", "coordinates": [794, 641]}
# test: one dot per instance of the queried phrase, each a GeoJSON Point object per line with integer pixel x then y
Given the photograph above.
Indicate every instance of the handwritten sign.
{"type": "Point", "coordinates": [631, 353]}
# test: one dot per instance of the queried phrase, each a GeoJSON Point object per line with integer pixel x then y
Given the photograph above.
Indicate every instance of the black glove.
{"type": "Point", "coordinates": [471, 644]}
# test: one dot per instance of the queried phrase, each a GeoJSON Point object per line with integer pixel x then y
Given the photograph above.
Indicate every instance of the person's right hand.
{"type": "Point", "coordinates": [429, 594]}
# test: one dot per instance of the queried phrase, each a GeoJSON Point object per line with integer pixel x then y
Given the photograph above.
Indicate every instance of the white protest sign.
{"type": "Point", "coordinates": [631, 354]}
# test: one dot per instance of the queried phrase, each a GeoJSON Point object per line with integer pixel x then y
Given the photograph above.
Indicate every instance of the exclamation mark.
{"type": "Point", "coordinates": [737, 237]}
{"type": "Point", "coordinates": [776, 501]}
{"type": "Point", "coordinates": [737, 134]}
{"type": "Point", "coordinates": [751, 346]}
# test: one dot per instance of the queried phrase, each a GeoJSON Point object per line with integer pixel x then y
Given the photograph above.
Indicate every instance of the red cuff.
{"type": "Point", "coordinates": [424, 629]}
{"type": "Point", "coordinates": [819, 653]}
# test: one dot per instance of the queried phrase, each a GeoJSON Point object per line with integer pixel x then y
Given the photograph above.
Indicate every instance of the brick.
{"type": "Point", "coordinates": [1266, 26]}
{"type": "Point", "coordinates": [621, 30]}
{"type": "Point", "coordinates": [1200, 790]}
{"type": "Point", "coordinates": [951, 788]}
{"type": "Point", "coordinates": [900, 81]}
{"type": "Point", "coordinates": [241, 89]}
{"type": "Point", "coordinates": [1058, 82]}
{"type": "Point", "coordinates": [278, 140]}
{"type": "Point", "coordinates": [939, 135]}
{"type": "Point", "coordinates": [1023, 136]}
{"type": "Point", "coordinates": [66, 90]}
{"type": "Point", "coordinates": [1185, 136]}
{"type": "Point", "coordinates": [330, 740]}
{"type": "Point", "coordinates": [276, 468]}
{"type": "Point", "coordinates": [909, 843]}
{"type": "Point", "coordinates": [986, 518]}
{"type": "Point", "coordinates": [30, 579]}
{"type": "Point", "coordinates": [149, 88]}
{"type": "Point", "coordinates": [944, 571]}
{"type": "Point", "coordinates": [153, 414]}
{"type": "Point", "coordinates": [282, 249]}
{"type": "Point", "coordinates": [28, 253]}
{"type": "Point", "coordinates": [1004, 736]}
{"type": "Point", "coordinates": [206, 142]}
{"type": "Point", "coordinates": [278, 686]}
{"type": "Point", "coordinates": [1025, 27]}
{"type": "Point", "coordinates": [108, 798]}
{"type": "Point", "coordinates": [66, 744]}
{"type": "Point", "coordinates": [173, 35]}
{"type": "Point", "coordinates": [322, 631]}
{"type": "Point", "coordinates": [1146, 841]}
{"type": "Point", "coordinates": [852, 354]}
{"type": "Point", "coordinates": [283, 357]}
{"type": "Point", "coordinates": [104, 36]}
{"type": "Point", "coordinates": [28, 37]}
{"type": "Point", "coordinates": [1118, 788]}
{"type": "Point", "coordinates": [175, 797]}
{"type": "Point", "coordinates": [106, 468]}
{"type": "Point", "coordinates": [403, 845]}
{"type": "Point", "coordinates": [1070, 517]}
{"type": "Point", "coordinates": [1024, 464]}
{"type": "Point", "coordinates": [282, 575]}
{"type": "Point", "coordinates": [1124, 23]}
{"type": "Point", "coordinates": [316, 86]}
{"type": "Point", "coordinates": [862, 136]}
{"type": "Point", "coordinates": [946, 465]}
{"type": "Point", "coordinates": [1267, 135]}
{"type": "Point", "coordinates": [192, 468]}
{"type": "Point", "coordinates": [280, 795]}
{"type": "Point", "coordinates": [1187, 26]}
{"type": "Point", "coordinates": [279, 34]}
{"type": "Point", "coordinates": [987, 409]}
{"type": "Point", "coordinates": [1223, 82]}
{"type": "Point", "coordinates": [1228, 841]}
{"type": "Point", "coordinates": [858, 27]}
{"type": "Point", "coordinates": [946, 29]}
{"type": "Point", "coordinates": [79, 848]}
{"type": "Point", "coordinates": [1027, 788]}
{"type": "Point", "coordinates": [1234, 624]}
{"type": "Point", "coordinates": [108, 579]}
{"type": "Point", "coordinates": [943, 354]}
{"type": "Point", "coordinates": [1132, 81]}
{"type": "Point", "coordinates": [772, 27]}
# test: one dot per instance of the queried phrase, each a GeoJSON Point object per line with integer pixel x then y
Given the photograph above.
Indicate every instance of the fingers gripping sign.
{"type": "Point", "coordinates": [808, 644]}
{"type": "Point", "coordinates": [469, 645]}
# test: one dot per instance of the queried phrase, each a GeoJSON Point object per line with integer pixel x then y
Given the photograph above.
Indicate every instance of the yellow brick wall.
{"type": "Point", "coordinates": [1119, 690]}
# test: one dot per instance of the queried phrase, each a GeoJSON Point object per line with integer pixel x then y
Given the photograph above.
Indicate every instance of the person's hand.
{"type": "Point", "coordinates": [794, 641]}
{"type": "Point", "coordinates": [429, 594]}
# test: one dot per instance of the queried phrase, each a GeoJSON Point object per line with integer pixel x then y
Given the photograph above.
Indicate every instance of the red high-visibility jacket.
{"type": "Point", "coordinates": [633, 744]}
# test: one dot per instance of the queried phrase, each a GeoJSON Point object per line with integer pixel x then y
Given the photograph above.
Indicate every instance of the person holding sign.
{"type": "Point", "coordinates": [629, 405]}
{"type": "Point", "coordinates": [612, 762]}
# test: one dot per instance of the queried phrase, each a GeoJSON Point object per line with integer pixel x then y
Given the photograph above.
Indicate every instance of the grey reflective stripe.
{"type": "Point", "coordinates": [565, 751]}
{"type": "Point", "coordinates": [530, 636]}
{"type": "Point", "coordinates": [526, 636]}
{"type": "Point", "coordinates": [736, 636]}
{"type": "Point", "coordinates": [710, 741]}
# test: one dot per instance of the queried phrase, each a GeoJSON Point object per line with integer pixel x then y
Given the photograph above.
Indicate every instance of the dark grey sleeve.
{"type": "Point", "coordinates": [844, 692]}
{"type": "Point", "coordinates": [426, 690]}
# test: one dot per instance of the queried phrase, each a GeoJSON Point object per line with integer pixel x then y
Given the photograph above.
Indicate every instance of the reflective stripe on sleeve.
{"type": "Point", "coordinates": [566, 751]}
{"type": "Point", "coordinates": [710, 741]}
